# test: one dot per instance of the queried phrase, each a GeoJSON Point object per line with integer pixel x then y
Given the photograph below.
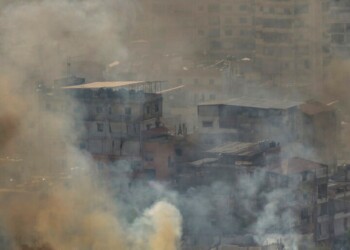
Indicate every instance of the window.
{"type": "Point", "coordinates": [228, 8]}
{"type": "Point", "coordinates": [82, 145]}
{"type": "Point", "coordinates": [243, 20]}
{"type": "Point", "coordinates": [100, 127]}
{"type": "Point", "coordinates": [287, 11]}
{"type": "Point", "coordinates": [304, 176]}
{"type": "Point", "coordinates": [110, 110]}
{"type": "Point", "coordinates": [215, 45]}
{"type": "Point", "coordinates": [213, 8]}
{"type": "Point", "coordinates": [98, 109]}
{"type": "Point", "coordinates": [323, 209]}
{"type": "Point", "coordinates": [148, 110]}
{"type": "Point", "coordinates": [215, 20]}
{"type": "Point", "coordinates": [304, 214]}
{"type": "Point", "coordinates": [228, 20]}
{"type": "Point", "coordinates": [338, 38]}
{"type": "Point", "coordinates": [128, 111]}
{"type": "Point", "coordinates": [301, 9]}
{"type": "Point", "coordinates": [148, 126]}
{"type": "Point", "coordinates": [337, 28]}
{"type": "Point", "coordinates": [243, 8]}
{"type": "Point", "coordinates": [149, 156]}
{"type": "Point", "coordinates": [322, 191]}
{"type": "Point", "coordinates": [228, 32]}
{"type": "Point", "coordinates": [207, 124]}
{"type": "Point", "coordinates": [178, 152]}
{"type": "Point", "coordinates": [214, 33]}
{"type": "Point", "coordinates": [156, 107]}
{"type": "Point", "coordinates": [307, 64]}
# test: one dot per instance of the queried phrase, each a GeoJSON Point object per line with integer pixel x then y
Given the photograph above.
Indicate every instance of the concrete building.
{"type": "Point", "coordinates": [248, 119]}
{"type": "Point", "coordinates": [309, 180]}
{"type": "Point", "coordinates": [225, 27]}
{"type": "Point", "coordinates": [311, 125]}
{"type": "Point", "coordinates": [115, 117]}
{"type": "Point", "coordinates": [289, 40]}
{"type": "Point", "coordinates": [339, 28]}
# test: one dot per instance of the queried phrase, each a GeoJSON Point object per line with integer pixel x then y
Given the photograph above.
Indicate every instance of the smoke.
{"type": "Point", "coordinates": [57, 200]}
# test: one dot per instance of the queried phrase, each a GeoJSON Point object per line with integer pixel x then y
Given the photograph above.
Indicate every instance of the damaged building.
{"type": "Point", "coordinates": [297, 124]}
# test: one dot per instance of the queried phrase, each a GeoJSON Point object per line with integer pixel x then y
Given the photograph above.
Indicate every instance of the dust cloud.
{"type": "Point", "coordinates": [52, 196]}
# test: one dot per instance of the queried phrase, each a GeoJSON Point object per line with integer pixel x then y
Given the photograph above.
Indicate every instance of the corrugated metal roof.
{"type": "Point", "coordinates": [256, 103]}
{"type": "Point", "coordinates": [203, 161]}
{"type": "Point", "coordinates": [237, 148]}
{"type": "Point", "coordinates": [98, 85]}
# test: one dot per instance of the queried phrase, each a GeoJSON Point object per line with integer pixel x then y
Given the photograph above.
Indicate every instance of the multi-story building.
{"type": "Point", "coordinates": [115, 118]}
{"type": "Point", "coordinates": [339, 28]}
{"type": "Point", "coordinates": [167, 25]}
{"type": "Point", "coordinates": [225, 28]}
{"type": "Point", "coordinates": [286, 40]}
{"type": "Point", "coordinates": [309, 182]}
{"type": "Point", "coordinates": [311, 125]}
{"type": "Point", "coordinates": [248, 119]}
{"type": "Point", "coordinates": [304, 182]}
{"type": "Point", "coordinates": [289, 40]}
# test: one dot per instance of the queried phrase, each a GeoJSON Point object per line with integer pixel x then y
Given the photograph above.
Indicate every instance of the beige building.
{"type": "Point", "coordinates": [289, 40]}
{"type": "Point", "coordinates": [225, 27]}
{"type": "Point", "coordinates": [339, 28]}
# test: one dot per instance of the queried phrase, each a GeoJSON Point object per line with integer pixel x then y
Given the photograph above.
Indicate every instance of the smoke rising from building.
{"type": "Point", "coordinates": [60, 200]}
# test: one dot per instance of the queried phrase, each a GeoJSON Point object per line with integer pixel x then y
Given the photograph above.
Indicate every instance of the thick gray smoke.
{"type": "Point", "coordinates": [55, 199]}
{"type": "Point", "coordinates": [71, 207]}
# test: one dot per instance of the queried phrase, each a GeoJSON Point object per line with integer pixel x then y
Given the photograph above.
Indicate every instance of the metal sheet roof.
{"type": "Point", "coordinates": [237, 148]}
{"type": "Point", "coordinates": [98, 85]}
{"type": "Point", "coordinates": [203, 161]}
{"type": "Point", "coordinates": [257, 103]}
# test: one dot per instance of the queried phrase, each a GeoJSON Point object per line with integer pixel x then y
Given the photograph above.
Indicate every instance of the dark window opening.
{"type": "Point", "coordinates": [128, 111]}
{"type": "Point", "coordinates": [207, 124]}
{"type": "Point", "coordinates": [100, 127]}
{"type": "Point", "coordinates": [322, 191]}
{"type": "Point", "coordinates": [98, 109]}
{"type": "Point", "coordinates": [178, 152]}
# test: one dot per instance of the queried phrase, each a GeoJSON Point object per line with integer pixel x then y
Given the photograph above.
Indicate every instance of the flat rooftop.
{"type": "Point", "coordinates": [256, 103]}
{"type": "Point", "coordinates": [296, 165]}
{"type": "Point", "coordinates": [242, 148]}
{"type": "Point", "coordinates": [98, 85]}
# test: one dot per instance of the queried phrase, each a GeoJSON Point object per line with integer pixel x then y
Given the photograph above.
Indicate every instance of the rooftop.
{"type": "Point", "coordinates": [98, 85]}
{"type": "Point", "coordinates": [297, 165]}
{"type": "Point", "coordinates": [314, 108]}
{"type": "Point", "coordinates": [118, 84]}
{"type": "Point", "coordinates": [256, 103]}
{"type": "Point", "coordinates": [242, 148]}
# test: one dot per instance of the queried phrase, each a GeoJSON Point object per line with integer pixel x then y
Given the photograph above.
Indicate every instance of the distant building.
{"type": "Point", "coordinates": [290, 40]}
{"type": "Point", "coordinates": [339, 28]}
